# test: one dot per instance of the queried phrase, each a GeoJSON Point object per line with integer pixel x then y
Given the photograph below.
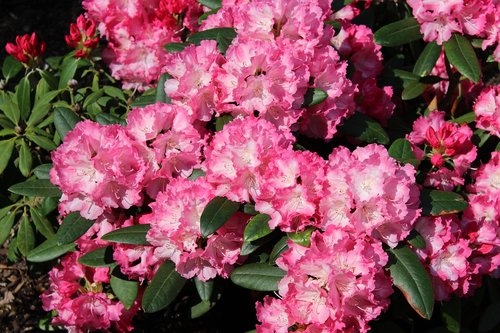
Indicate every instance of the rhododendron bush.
{"type": "Point", "coordinates": [340, 159]}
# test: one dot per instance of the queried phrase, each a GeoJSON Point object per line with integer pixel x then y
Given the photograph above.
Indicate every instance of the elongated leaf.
{"type": "Point", "coordinates": [124, 289]}
{"type": "Point", "coordinates": [42, 107]}
{"type": "Point", "coordinates": [9, 107]}
{"type": "Point", "coordinates": [43, 171]}
{"type": "Point", "coordinates": [6, 147]}
{"type": "Point", "coordinates": [25, 159]}
{"type": "Point", "coordinates": [466, 118]}
{"type": "Point", "coordinates": [201, 308]}
{"type": "Point", "coordinates": [205, 289]}
{"type": "Point", "coordinates": [427, 59]}
{"type": "Point", "coordinates": [101, 257]}
{"type": "Point", "coordinates": [64, 121]}
{"type": "Point", "coordinates": [25, 236]}
{"type": "Point", "coordinates": [108, 119]}
{"type": "Point", "coordinates": [42, 141]}
{"type": "Point", "coordinates": [11, 67]}
{"type": "Point", "coordinates": [68, 72]}
{"type": "Point", "coordinates": [223, 42]}
{"type": "Point", "coordinates": [212, 4]}
{"type": "Point", "coordinates": [215, 214]}
{"type": "Point", "coordinates": [416, 240]}
{"type": "Point", "coordinates": [451, 312]}
{"type": "Point", "coordinates": [280, 247]}
{"type": "Point", "coordinates": [42, 224]}
{"type": "Point", "coordinates": [460, 53]}
{"type": "Point", "coordinates": [413, 90]}
{"type": "Point", "coordinates": [143, 101]}
{"type": "Point", "coordinates": [135, 234]}
{"type": "Point", "coordinates": [398, 33]}
{"type": "Point", "coordinates": [257, 227]}
{"type": "Point", "coordinates": [175, 47]}
{"type": "Point", "coordinates": [437, 203]}
{"type": "Point", "coordinates": [161, 96]}
{"type": "Point", "coordinates": [6, 223]}
{"type": "Point", "coordinates": [49, 250]}
{"type": "Point", "coordinates": [302, 238]}
{"type": "Point", "coordinates": [114, 92]}
{"type": "Point", "coordinates": [23, 95]}
{"type": "Point", "coordinates": [164, 288]}
{"type": "Point", "coordinates": [314, 96]}
{"type": "Point", "coordinates": [72, 228]}
{"type": "Point", "coordinates": [411, 278]}
{"type": "Point", "coordinates": [36, 188]}
{"type": "Point", "coordinates": [212, 34]}
{"type": "Point", "coordinates": [257, 276]}
{"type": "Point", "coordinates": [401, 151]}
{"type": "Point", "coordinates": [365, 129]}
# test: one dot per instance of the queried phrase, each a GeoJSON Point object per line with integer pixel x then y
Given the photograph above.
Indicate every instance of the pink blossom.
{"type": "Point", "coordinates": [487, 110]}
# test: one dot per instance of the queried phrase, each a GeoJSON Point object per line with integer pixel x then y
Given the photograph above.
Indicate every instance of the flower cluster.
{"type": "Point", "coordinates": [82, 36]}
{"type": "Point", "coordinates": [487, 110]}
{"type": "Point", "coordinates": [27, 49]}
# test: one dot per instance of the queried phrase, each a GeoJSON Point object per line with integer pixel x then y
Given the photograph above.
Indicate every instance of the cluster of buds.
{"type": "Point", "coordinates": [82, 37]}
{"type": "Point", "coordinates": [27, 49]}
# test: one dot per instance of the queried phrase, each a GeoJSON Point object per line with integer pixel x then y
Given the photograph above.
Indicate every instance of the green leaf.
{"type": "Point", "coordinates": [204, 16]}
{"type": "Point", "coordinates": [437, 203]}
{"type": "Point", "coordinates": [68, 72]}
{"type": "Point", "coordinates": [175, 47]}
{"type": "Point", "coordinates": [72, 228]}
{"type": "Point", "coordinates": [401, 151]}
{"type": "Point", "coordinates": [23, 95]}
{"type": "Point", "coordinates": [465, 118]}
{"type": "Point", "coordinates": [6, 147]}
{"type": "Point", "coordinates": [228, 34]}
{"type": "Point", "coordinates": [49, 250]}
{"type": "Point", "coordinates": [25, 236]}
{"type": "Point", "coordinates": [197, 173]}
{"type": "Point", "coordinates": [49, 78]}
{"type": "Point", "coordinates": [108, 119]}
{"type": "Point", "coordinates": [42, 224]}
{"type": "Point", "coordinates": [201, 308]}
{"type": "Point", "coordinates": [163, 289]}
{"type": "Point", "coordinates": [451, 312]}
{"type": "Point", "coordinates": [92, 98]}
{"type": "Point", "coordinates": [257, 227]}
{"type": "Point", "coordinates": [222, 121]}
{"type": "Point", "coordinates": [11, 67]}
{"type": "Point", "coordinates": [9, 107]}
{"type": "Point", "coordinates": [460, 53]}
{"type": "Point", "coordinates": [6, 223]}
{"type": "Point", "coordinates": [25, 159]}
{"type": "Point", "coordinates": [135, 234]}
{"type": "Point", "coordinates": [161, 96]}
{"type": "Point", "coordinates": [101, 257]}
{"type": "Point", "coordinates": [258, 276]}
{"type": "Point", "coordinates": [205, 289]}
{"type": "Point", "coordinates": [302, 238]}
{"type": "Point", "coordinates": [398, 33]}
{"type": "Point", "coordinates": [412, 90]}
{"type": "Point", "coordinates": [36, 188]}
{"type": "Point", "coordinates": [223, 42]}
{"type": "Point", "coordinates": [42, 141]}
{"type": "Point", "coordinates": [314, 96]}
{"type": "Point", "coordinates": [142, 101]}
{"type": "Point", "coordinates": [416, 240]}
{"type": "Point", "coordinates": [427, 59]}
{"type": "Point", "coordinates": [114, 92]}
{"type": "Point", "coordinates": [43, 171]}
{"type": "Point", "coordinates": [212, 4]}
{"type": "Point", "coordinates": [489, 318]}
{"type": "Point", "coordinates": [64, 121]}
{"type": "Point", "coordinates": [42, 107]}
{"type": "Point", "coordinates": [215, 214]}
{"type": "Point", "coordinates": [124, 289]}
{"type": "Point", "coordinates": [365, 129]}
{"type": "Point", "coordinates": [280, 247]}
{"type": "Point", "coordinates": [409, 276]}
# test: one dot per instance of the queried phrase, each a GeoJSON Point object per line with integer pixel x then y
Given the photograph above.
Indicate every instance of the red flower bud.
{"type": "Point", "coordinates": [82, 36]}
{"type": "Point", "coordinates": [27, 49]}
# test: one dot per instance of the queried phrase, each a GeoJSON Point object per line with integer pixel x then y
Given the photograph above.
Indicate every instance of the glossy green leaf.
{"type": "Point", "coordinates": [175, 47]}
{"type": "Point", "coordinates": [42, 224]}
{"type": "Point", "coordinates": [412, 90]}
{"type": "Point", "coordinates": [64, 121]}
{"type": "Point", "coordinates": [114, 92]}
{"type": "Point", "coordinates": [258, 276]}
{"type": "Point", "coordinates": [142, 101]}
{"type": "Point", "coordinates": [280, 247]}
{"type": "Point", "coordinates": [68, 72]}
{"type": "Point", "coordinates": [42, 141]}
{"type": "Point", "coordinates": [36, 188]}
{"type": "Point", "coordinates": [427, 59]}
{"type": "Point", "coordinates": [163, 289]}
{"type": "Point", "coordinates": [398, 33]}
{"type": "Point", "coordinates": [25, 159]}
{"type": "Point", "coordinates": [201, 308]}
{"type": "Point", "coordinates": [212, 4]}
{"type": "Point", "coordinates": [401, 151]}
{"type": "Point", "coordinates": [11, 67]}
{"type": "Point", "coordinates": [465, 118]}
{"type": "Point", "coordinates": [212, 34]}
{"type": "Point", "coordinates": [108, 119]}
{"type": "Point", "coordinates": [314, 96]}
{"type": "Point", "coordinates": [161, 96]}
{"type": "Point", "coordinates": [72, 228]}
{"type": "Point", "coordinates": [101, 257]}
{"type": "Point", "coordinates": [42, 107]}
{"type": "Point", "coordinates": [49, 250]}
{"type": "Point", "coordinates": [257, 227]}
{"type": "Point", "coordinates": [25, 236]}
{"type": "Point", "coordinates": [223, 42]}
{"type": "Point", "coordinates": [135, 234]}
{"type": "Point", "coordinates": [9, 107]}
{"type": "Point", "coordinates": [6, 148]}
{"type": "Point", "coordinates": [43, 171]}
{"type": "Point", "coordinates": [215, 214]}
{"type": "Point", "coordinates": [437, 203]}
{"type": "Point", "coordinates": [416, 240]}
{"type": "Point", "coordinates": [460, 53]}
{"type": "Point", "coordinates": [222, 121]}
{"type": "Point", "coordinates": [197, 173]}
{"type": "Point", "coordinates": [365, 129]}
{"type": "Point", "coordinates": [409, 276]}
{"type": "Point", "coordinates": [124, 289]}
{"type": "Point", "coordinates": [49, 78]}
{"type": "Point", "coordinates": [6, 223]}
{"type": "Point", "coordinates": [92, 98]}
{"type": "Point", "coordinates": [205, 289]}
{"type": "Point", "coordinates": [23, 95]}
{"type": "Point", "coordinates": [302, 238]}
{"type": "Point", "coordinates": [451, 312]}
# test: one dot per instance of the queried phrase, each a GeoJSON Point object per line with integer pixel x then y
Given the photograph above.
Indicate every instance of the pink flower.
{"type": "Point", "coordinates": [27, 49]}
{"type": "Point", "coordinates": [487, 110]}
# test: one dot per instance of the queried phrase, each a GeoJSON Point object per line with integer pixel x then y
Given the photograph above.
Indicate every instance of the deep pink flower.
{"type": "Point", "coordinates": [27, 49]}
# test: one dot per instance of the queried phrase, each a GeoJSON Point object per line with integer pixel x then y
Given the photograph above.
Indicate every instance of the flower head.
{"type": "Point", "coordinates": [82, 36]}
{"type": "Point", "coordinates": [27, 49]}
